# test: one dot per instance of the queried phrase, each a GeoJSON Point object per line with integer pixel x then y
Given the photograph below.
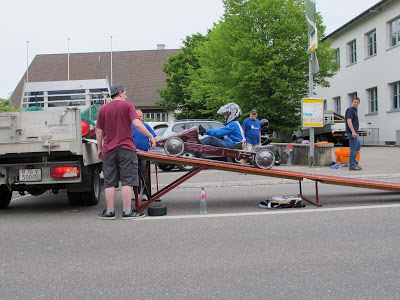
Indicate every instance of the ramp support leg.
{"type": "Point", "coordinates": [316, 203]}
{"type": "Point", "coordinates": [139, 206]}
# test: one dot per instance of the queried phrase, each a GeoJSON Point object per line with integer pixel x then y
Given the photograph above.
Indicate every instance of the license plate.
{"type": "Point", "coordinates": [26, 175]}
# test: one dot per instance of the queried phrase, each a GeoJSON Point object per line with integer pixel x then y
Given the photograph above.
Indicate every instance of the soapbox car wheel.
{"type": "Point", "coordinates": [174, 146]}
{"type": "Point", "coordinates": [188, 155]}
{"type": "Point", "coordinates": [264, 159]}
{"type": "Point", "coordinates": [233, 160]}
{"type": "Point", "coordinates": [278, 160]}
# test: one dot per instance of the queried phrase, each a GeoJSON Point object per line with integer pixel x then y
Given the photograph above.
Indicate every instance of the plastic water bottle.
{"type": "Point", "coordinates": [203, 201]}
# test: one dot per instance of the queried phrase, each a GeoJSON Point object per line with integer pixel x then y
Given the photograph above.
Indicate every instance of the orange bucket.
{"type": "Point", "coordinates": [343, 155]}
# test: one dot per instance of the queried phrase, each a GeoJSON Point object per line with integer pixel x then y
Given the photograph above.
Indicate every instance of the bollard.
{"type": "Point", "coordinates": [289, 154]}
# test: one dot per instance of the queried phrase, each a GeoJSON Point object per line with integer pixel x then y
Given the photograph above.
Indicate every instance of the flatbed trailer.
{"type": "Point", "coordinates": [203, 164]}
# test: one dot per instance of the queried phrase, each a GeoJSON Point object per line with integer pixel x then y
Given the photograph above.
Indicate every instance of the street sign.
{"type": "Point", "coordinates": [312, 112]}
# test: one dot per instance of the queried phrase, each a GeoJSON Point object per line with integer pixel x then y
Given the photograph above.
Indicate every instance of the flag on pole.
{"type": "Point", "coordinates": [312, 33]}
{"type": "Point", "coordinates": [312, 27]}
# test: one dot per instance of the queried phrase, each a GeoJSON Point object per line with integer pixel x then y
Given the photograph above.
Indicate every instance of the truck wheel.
{"type": "Point", "coordinates": [93, 196]}
{"type": "Point", "coordinates": [5, 196]}
{"type": "Point", "coordinates": [74, 198]}
{"type": "Point", "coordinates": [87, 198]}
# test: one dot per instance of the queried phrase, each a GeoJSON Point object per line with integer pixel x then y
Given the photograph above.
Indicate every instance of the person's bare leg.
{"type": "Point", "coordinates": [110, 197]}
{"type": "Point", "coordinates": [126, 196]}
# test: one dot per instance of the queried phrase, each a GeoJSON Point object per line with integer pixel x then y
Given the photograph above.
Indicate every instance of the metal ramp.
{"type": "Point", "coordinates": [203, 164]}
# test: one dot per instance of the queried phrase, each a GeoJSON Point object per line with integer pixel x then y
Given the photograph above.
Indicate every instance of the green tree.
{"type": "Point", "coordinates": [179, 69]}
{"type": "Point", "coordinates": [6, 105]}
{"type": "Point", "coordinates": [257, 57]}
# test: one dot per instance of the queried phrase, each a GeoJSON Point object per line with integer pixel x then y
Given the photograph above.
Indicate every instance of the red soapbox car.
{"type": "Point", "coordinates": [188, 141]}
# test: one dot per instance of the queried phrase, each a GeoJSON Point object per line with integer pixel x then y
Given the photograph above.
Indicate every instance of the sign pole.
{"type": "Point", "coordinates": [312, 110]}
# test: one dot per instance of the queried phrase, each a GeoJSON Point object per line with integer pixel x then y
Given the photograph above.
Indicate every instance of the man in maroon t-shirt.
{"type": "Point", "coordinates": [118, 151]}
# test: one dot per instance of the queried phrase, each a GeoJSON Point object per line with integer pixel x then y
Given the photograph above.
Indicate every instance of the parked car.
{"type": "Point", "coordinates": [167, 129]}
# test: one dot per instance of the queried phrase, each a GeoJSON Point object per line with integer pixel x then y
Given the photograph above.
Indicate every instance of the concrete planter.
{"type": "Point", "coordinates": [301, 154]}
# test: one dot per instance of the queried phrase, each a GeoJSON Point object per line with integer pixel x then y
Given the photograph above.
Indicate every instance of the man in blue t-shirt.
{"type": "Point", "coordinates": [142, 143]}
{"type": "Point", "coordinates": [352, 125]}
{"type": "Point", "coordinates": [252, 131]}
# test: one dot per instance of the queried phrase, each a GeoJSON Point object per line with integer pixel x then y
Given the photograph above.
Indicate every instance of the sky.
{"type": "Point", "coordinates": [133, 25]}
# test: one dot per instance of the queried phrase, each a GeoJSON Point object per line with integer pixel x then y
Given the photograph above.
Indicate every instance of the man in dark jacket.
{"type": "Point", "coordinates": [352, 126]}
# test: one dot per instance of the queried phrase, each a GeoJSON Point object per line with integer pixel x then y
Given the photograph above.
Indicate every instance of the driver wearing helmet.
{"type": "Point", "coordinates": [229, 135]}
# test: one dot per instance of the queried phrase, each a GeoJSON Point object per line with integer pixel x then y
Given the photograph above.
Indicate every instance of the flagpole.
{"type": "Point", "coordinates": [27, 61]}
{"type": "Point", "coordinates": [68, 59]}
{"type": "Point", "coordinates": [111, 63]}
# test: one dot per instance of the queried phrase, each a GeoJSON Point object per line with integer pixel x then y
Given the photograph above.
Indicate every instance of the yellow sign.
{"type": "Point", "coordinates": [312, 112]}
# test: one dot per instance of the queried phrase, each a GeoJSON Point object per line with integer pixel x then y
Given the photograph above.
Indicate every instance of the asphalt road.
{"type": "Point", "coordinates": [348, 249]}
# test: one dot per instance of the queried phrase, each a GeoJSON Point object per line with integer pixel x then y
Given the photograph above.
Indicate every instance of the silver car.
{"type": "Point", "coordinates": [167, 129]}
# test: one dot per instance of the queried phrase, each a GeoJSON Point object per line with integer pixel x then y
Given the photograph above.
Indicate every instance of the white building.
{"type": "Point", "coordinates": [368, 48]}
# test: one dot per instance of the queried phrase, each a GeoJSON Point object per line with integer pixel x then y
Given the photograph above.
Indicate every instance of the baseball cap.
{"type": "Point", "coordinates": [253, 111]}
{"type": "Point", "coordinates": [116, 88]}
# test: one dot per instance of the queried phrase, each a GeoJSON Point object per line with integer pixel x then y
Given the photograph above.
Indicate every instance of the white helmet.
{"type": "Point", "coordinates": [232, 109]}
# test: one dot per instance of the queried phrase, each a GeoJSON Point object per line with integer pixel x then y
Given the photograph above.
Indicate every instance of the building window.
{"type": "Point", "coordinates": [371, 43]}
{"type": "Point", "coordinates": [394, 34]}
{"type": "Point", "coordinates": [373, 100]}
{"type": "Point", "coordinates": [337, 105]}
{"type": "Point", "coordinates": [351, 96]}
{"type": "Point", "coordinates": [395, 92]}
{"type": "Point", "coordinates": [337, 58]}
{"type": "Point", "coordinates": [352, 52]}
{"type": "Point", "coordinates": [325, 105]}
{"type": "Point", "coordinates": [156, 116]}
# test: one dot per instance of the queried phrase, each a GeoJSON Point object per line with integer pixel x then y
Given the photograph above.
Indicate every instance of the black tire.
{"type": "Point", "coordinates": [74, 198]}
{"type": "Point", "coordinates": [187, 168]}
{"type": "Point", "coordinates": [157, 210]}
{"type": "Point", "coordinates": [233, 160]}
{"type": "Point", "coordinates": [278, 159]}
{"type": "Point", "coordinates": [165, 167]}
{"type": "Point", "coordinates": [90, 197]}
{"type": "Point", "coordinates": [5, 196]}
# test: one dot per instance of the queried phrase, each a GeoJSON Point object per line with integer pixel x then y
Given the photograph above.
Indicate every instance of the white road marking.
{"type": "Point", "coordinates": [273, 212]}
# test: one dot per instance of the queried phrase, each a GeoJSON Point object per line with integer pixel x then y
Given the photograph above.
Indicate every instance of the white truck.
{"type": "Point", "coordinates": [47, 145]}
{"type": "Point", "coordinates": [333, 131]}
